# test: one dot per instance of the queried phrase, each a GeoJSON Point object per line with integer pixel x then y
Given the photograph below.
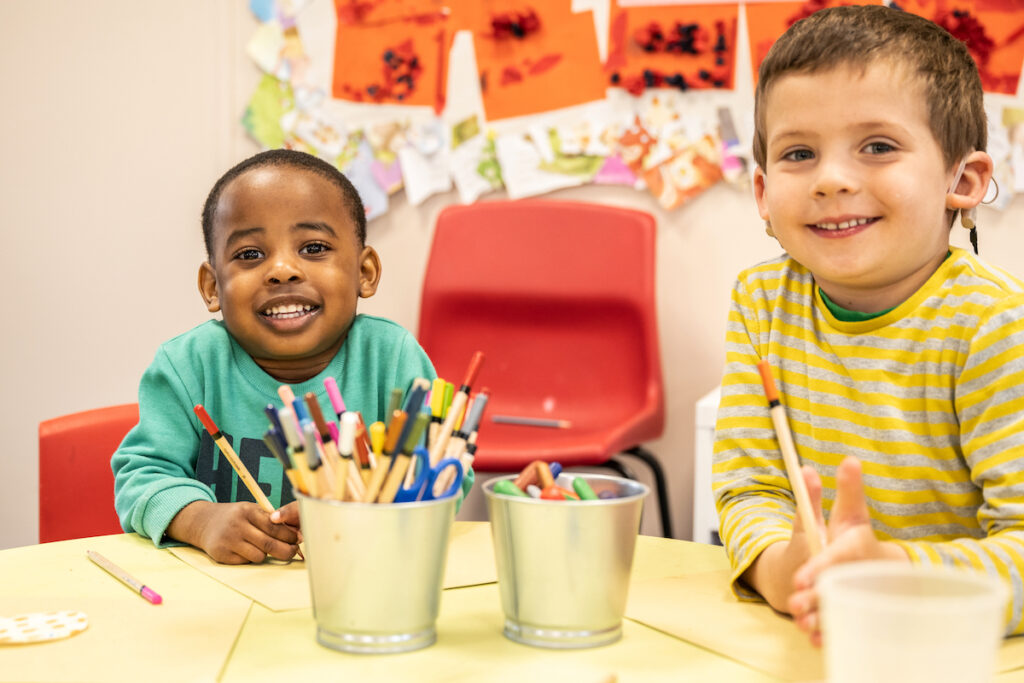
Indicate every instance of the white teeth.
{"type": "Point", "coordinates": [843, 225]}
{"type": "Point", "coordinates": [288, 311]}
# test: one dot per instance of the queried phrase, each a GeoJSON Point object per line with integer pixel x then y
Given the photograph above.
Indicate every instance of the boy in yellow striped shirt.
{"type": "Point", "coordinates": [900, 359]}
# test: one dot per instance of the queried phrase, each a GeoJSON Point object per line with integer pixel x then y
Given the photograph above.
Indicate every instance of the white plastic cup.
{"type": "Point", "coordinates": [895, 622]}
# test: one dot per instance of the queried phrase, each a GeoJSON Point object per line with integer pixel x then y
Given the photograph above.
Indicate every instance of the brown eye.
{"type": "Point", "coordinates": [314, 248]}
{"type": "Point", "coordinates": [248, 254]}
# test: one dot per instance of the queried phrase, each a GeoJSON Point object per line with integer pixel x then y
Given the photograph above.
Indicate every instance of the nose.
{"type": "Point", "coordinates": [833, 177]}
{"type": "Point", "coordinates": [284, 268]}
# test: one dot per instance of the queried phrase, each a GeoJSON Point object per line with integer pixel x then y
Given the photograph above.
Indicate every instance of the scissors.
{"type": "Point", "coordinates": [423, 486]}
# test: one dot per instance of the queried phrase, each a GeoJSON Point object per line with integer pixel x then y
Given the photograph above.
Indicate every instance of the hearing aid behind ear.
{"type": "Point", "coordinates": [967, 216]}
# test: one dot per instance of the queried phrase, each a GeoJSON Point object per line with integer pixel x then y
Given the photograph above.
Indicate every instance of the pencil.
{"type": "Point", "coordinates": [236, 463]}
{"type": "Point", "coordinates": [437, 449]}
{"type": "Point", "coordinates": [124, 577]}
{"type": "Point", "coordinates": [402, 460]}
{"type": "Point", "coordinates": [790, 458]}
{"type": "Point", "coordinates": [531, 421]}
{"type": "Point", "coordinates": [384, 461]}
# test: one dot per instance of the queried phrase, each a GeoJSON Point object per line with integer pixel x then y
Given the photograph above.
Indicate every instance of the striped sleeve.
{"type": "Point", "coordinates": [990, 405]}
{"type": "Point", "coordinates": [752, 494]}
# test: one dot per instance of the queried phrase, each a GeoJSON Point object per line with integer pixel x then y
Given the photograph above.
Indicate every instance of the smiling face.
{"type": "Point", "coordinates": [287, 269]}
{"type": "Point", "coordinates": [854, 182]}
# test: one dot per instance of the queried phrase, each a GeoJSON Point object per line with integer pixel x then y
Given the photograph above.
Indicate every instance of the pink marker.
{"type": "Point", "coordinates": [124, 577]}
{"type": "Point", "coordinates": [335, 396]}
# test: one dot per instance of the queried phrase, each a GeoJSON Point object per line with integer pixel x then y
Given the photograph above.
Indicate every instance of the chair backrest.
{"type": "Point", "coordinates": [76, 484]}
{"type": "Point", "coordinates": [560, 296]}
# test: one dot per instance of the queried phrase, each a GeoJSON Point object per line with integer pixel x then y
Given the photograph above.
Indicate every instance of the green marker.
{"type": "Point", "coordinates": [583, 489]}
{"type": "Point", "coordinates": [505, 487]}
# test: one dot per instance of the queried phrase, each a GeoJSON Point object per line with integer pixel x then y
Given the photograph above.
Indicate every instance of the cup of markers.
{"type": "Point", "coordinates": [563, 546]}
{"type": "Point", "coordinates": [376, 512]}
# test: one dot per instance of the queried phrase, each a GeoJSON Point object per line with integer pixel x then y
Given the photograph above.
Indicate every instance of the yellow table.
{"type": "Point", "coordinates": [208, 630]}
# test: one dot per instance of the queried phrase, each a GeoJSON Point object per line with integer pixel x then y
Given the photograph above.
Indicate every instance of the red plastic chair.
{"type": "Point", "coordinates": [76, 484]}
{"type": "Point", "coordinates": [560, 298]}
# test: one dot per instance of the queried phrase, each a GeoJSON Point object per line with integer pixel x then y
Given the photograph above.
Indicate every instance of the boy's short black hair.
{"type": "Point", "coordinates": [295, 159]}
{"type": "Point", "coordinates": [861, 35]}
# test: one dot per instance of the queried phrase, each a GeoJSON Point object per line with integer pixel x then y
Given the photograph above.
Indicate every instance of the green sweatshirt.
{"type": "Point", "coordinates": [168, 460]}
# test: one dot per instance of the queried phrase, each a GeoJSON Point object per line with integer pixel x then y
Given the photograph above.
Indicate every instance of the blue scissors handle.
{"type": "Point", "coordinates": [422, 487]}
{"type": "Point", "coordinates": [435, 472]}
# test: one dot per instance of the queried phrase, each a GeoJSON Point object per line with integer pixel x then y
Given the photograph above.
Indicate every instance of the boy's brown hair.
{"type": "Point", "coordinates": [860, 35]}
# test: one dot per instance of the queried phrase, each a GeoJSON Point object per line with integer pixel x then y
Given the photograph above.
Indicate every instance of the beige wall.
{"type": "Point", "coordinates": [117, 118]}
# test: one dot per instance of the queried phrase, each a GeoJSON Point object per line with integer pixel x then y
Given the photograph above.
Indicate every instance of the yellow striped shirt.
{"type": "Point", "coordinates": [929, 396]}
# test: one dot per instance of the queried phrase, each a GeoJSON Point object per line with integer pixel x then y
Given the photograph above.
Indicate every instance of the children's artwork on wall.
{"type": "Point", "coordinates": [391, 51]}
{"type": "Point", "coordinates": [534, 56]}
{"type": "Point", "coordinates": [681, 47]}
{"type": "Point", "coordinates": [368, 93]}
{"type": "Point", "coordinates": [766, 21]}
{"type": "Point", "coordinates": [993, 31]}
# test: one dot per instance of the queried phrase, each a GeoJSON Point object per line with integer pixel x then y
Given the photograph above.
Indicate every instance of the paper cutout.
{"type": "Point", "coordinates": [682, 47]}
{"type": "Point", "coordinates": [38, 627]}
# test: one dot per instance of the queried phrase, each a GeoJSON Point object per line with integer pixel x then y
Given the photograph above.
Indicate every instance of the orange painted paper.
{"type": "Point", "coordinates": [367, 31]}
{"type": "Point", "coordinates": [1002, 23]}
{"type": "Point", "coordinates": [629, 60]}
{"type": "Point", "coordinates": [767, 21]}
{"type": "Point", "coordinates": [556, 66]}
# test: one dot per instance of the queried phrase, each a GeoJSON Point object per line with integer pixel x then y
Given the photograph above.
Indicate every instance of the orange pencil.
{"type": "Point", "coordinates": [790, 458]}
{"type": "Point", "coordinates": [236, 463]}
{"type": "Point", "coordinates": [437, 449]}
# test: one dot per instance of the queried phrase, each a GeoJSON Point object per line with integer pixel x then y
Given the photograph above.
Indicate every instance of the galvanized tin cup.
{"type": "Point", "coordinates": [563, 567]}
{"type": "Point", "coordinates": [375, 571]}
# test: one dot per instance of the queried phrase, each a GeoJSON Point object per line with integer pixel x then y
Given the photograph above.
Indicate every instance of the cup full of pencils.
{"type": "Point", "coordinates": [376, 505]}
{"type": "Point", "coordinates": [563, 546]}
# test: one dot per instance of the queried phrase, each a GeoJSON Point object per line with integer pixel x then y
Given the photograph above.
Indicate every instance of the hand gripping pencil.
{"type": "Point", "coordinates": [790, 458]}
{"type": "Point", "coordinates": [458, 403]}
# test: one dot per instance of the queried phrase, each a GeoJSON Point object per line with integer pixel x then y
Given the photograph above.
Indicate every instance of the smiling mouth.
{"type": "Point", "coordinates": [289, 312]}
{"type": "Point", "coordinates": [845, 225]}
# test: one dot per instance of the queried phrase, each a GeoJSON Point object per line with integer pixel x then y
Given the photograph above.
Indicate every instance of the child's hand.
{"type": "Point", "coordinates": [233, 533]}
{"type": "Point", "coordinates": [771, 575]}
{"type": "Point", "coordinates": [288, 514]}
{"type": "Point", "coordinates": [850, 538]}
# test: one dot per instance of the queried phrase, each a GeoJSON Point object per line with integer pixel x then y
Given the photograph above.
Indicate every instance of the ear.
{"type": "Point", "coordinates": [761, 192]}
{"type": "Point", "coordinates": [973, 184]}
{"type": "Point", "coordinates": [208, 287]}
{"type": "Point", "coordinates": [369, 272]}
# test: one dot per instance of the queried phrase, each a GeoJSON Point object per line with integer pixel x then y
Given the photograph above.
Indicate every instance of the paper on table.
{"type": "Point", "coordinates": [701, 609]}
{"type": "Point", "coordinates": [470, 647]}
{"type": "Point", "coordinates": [278, 586]}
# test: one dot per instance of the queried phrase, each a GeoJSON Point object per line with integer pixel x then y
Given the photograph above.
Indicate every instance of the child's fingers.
{"type": "Point", "coordinates": [288, 514]}
{"type": "Point", "coordinates": [813, 483]}
{"type": "Point", "coordinates": [851, 508]}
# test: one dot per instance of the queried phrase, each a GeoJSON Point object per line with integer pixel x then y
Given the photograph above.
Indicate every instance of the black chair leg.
{"type": "Point", "coordinates": [659, 483]}
{"type": "Point", "coordinates": [623, 470]}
